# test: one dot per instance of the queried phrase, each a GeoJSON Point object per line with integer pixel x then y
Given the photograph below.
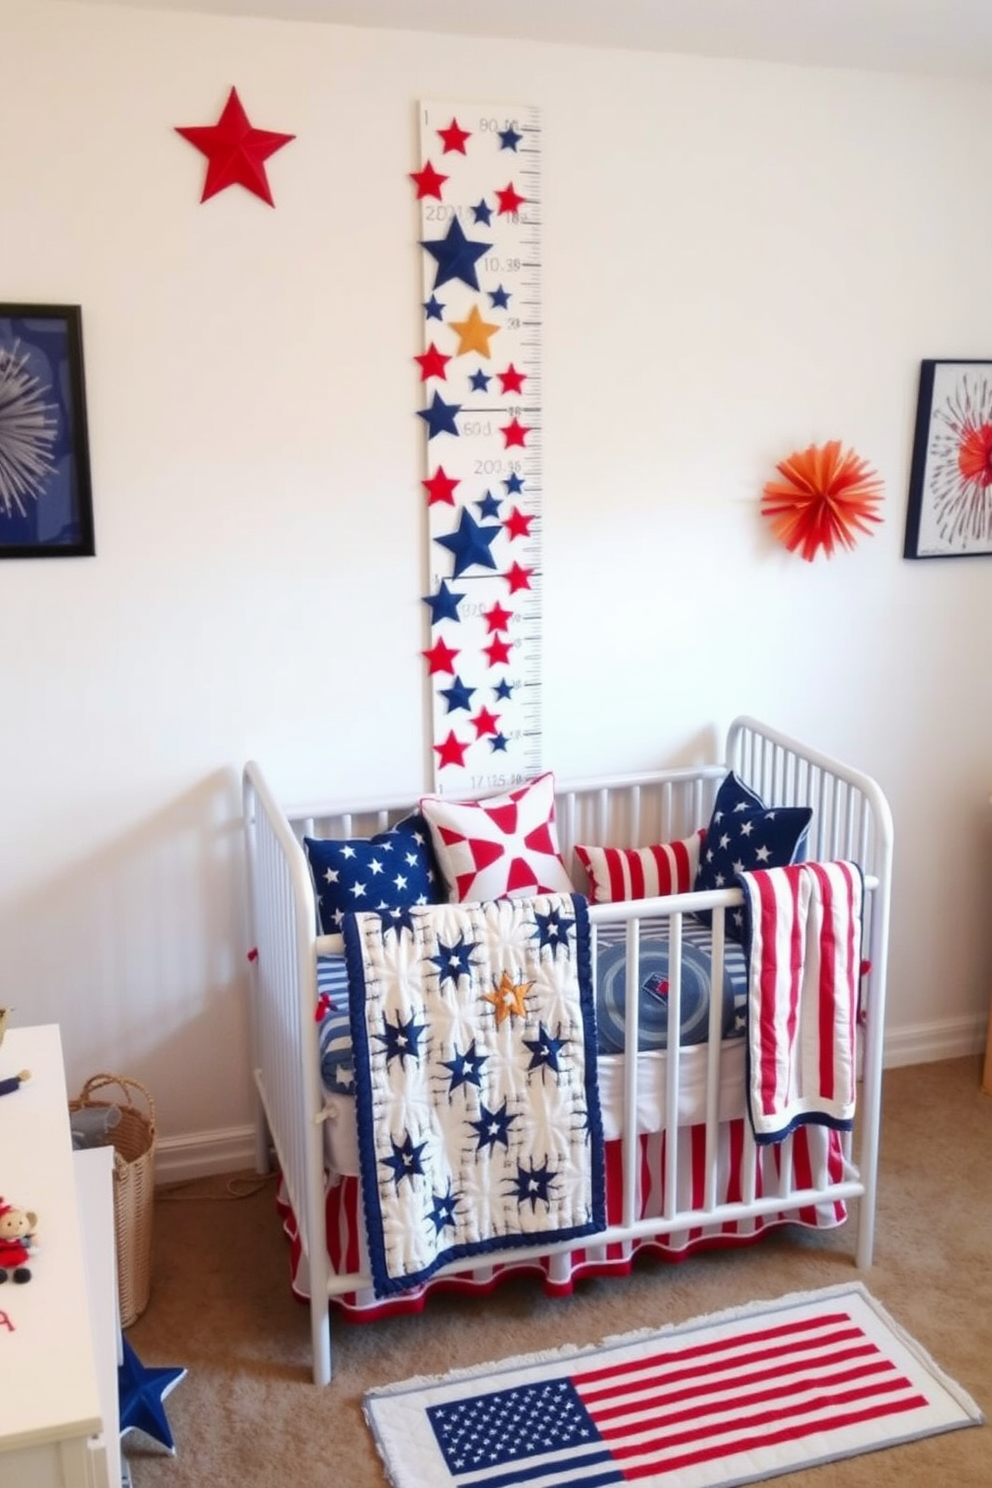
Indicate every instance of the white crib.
{"type": "Point", "coordinates": [851, 820]}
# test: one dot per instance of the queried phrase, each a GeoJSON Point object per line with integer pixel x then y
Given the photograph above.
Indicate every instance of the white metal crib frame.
{"type": "Point", "coordinates": [851, 819]}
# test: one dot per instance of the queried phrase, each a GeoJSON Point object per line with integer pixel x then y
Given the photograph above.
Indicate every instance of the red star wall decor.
{"type": "Point", "coordinates": [236, 152]}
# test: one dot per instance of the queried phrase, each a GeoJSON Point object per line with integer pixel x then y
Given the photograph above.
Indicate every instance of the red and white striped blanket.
{"type": "Point", "coordinates": [804, 964]}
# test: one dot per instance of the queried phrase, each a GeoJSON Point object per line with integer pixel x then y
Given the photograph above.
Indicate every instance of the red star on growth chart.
{"type": "Point", "coordinates": [440, 487]}
{"type": "Point", "coordinates": [432, 363]}
{"type": "Point", "coordinates": [517, 577]}
{"type": "Point", "coordinates": [512, 380]}
{"type": "Point", "coordinates": [514, 433]}
{"type": "Point", "coordinates": [440, 658]}
{"type": "Point", "coordinates": [428, 182]}
{"type": "Point", "coordinates": [236, 152]}
{"type": "Point", "coordinates": [451, 751]}
{"type": "Point", "coordinates": [454, 137]}
{"type": "Point", "coordinates": [509, 199]}
{"type": "Point", "coordinates": [517, 524]}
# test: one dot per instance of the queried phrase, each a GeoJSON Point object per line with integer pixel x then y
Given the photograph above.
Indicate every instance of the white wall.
{"type": "Point", "coordinates": [739, 259]}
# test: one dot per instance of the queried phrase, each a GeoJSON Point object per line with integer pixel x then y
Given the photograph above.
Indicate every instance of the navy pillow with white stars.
{"type": "Point", "coordinates": [392, 870]}
{"type": "Point", "coordinates": [744, 835]}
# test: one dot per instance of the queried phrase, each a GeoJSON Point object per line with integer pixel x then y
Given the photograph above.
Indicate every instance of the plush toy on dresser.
{"type": "Point", "coordinates": [17, 1228]}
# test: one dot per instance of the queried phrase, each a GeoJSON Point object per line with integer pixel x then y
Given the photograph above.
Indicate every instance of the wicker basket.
{"type": "Point", "coordinates": [133, 1140]}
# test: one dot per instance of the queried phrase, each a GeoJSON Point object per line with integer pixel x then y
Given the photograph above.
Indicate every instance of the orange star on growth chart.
{"type": "Point", "coordinates": [507, 997]}
{"type": "Point", "coordinates": [474, 333]}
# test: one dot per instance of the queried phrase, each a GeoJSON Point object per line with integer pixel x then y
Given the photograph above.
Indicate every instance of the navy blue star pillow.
{"type": "Point", "coordinates": [391, 870]}
{"type": "Point", "coordinates": [745, 834]}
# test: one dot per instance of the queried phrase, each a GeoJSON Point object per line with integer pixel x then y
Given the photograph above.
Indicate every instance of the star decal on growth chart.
{"type": "Point", "coordinates": [476, 185]}
{"type": "Point", "coordinates": [236, 151]}
{"type": "Point", "coordinates": [456, 256]}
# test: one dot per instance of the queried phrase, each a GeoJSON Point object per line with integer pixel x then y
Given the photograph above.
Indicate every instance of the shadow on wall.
{"type": "Point", "coordinates": [138, 951]}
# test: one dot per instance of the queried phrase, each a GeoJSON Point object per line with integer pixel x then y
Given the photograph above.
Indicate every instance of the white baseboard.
{"type": "Point", "coordinates": [925, 1043]}
{"type": "Point", "coordinates": [232, 1149]}
{"type": "Point", "coordinates": [201, 1154]}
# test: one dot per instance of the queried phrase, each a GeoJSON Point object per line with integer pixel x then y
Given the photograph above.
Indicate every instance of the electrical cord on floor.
{"type": "Point", "coordinates": [236, 1187]}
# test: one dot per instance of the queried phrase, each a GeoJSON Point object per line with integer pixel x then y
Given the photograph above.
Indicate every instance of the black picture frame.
{"type": "Point", "coordinates": [46, 496]}
{"type": "Point", "coordinates": [949, 511]}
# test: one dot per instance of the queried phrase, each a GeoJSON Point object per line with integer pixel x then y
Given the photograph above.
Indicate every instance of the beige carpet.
{"type": "Point", "coordinates": [247, 1414]}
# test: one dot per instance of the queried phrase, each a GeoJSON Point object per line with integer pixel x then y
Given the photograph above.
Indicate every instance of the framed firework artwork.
{"type": "Point", "coordinates": [46, 501]}
{"type": "Point", "coordinates": [950, 486]}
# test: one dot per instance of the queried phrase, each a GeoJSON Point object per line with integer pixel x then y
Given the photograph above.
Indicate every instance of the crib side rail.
{"type": "Point", "coordinates": [285, 1056]}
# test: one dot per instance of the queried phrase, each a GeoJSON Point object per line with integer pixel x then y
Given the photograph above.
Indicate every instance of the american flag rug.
{"type": "Point", "coordinates": [736, 1397]}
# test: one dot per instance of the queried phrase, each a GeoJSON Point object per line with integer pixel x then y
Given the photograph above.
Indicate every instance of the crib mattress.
{"type": "Point", "coordinates": [337, 1063]}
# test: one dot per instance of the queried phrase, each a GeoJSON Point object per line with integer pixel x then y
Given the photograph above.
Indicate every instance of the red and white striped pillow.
{"type": "Point", "coordinates": [617, 873]}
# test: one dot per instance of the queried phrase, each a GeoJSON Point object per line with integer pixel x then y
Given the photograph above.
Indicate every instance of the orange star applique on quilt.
{"type": "Point", "coordinates": [507, 997]}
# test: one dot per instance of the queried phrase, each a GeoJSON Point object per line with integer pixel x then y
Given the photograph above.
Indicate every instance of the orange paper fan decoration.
{"type": "Point", "coordinates": [827, 495]}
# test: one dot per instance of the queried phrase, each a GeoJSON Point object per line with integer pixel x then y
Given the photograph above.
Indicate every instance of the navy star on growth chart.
{"type": "Point", "coordinates": [444, 604]}
{"type": "Point", "coordinates": [440, 417]}
{"type": "Point", "coordinates": [455, 255]}
{"type": "Point", "coordinates": [470, 543]}
{"type": "Point", "coordinates": [458, 696]}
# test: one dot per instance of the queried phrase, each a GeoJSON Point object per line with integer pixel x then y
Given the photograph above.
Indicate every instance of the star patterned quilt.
{"type": "Point", "coordinates": [479, 1121]}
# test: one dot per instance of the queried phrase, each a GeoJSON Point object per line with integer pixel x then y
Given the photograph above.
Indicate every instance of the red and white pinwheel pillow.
{"type": "Point", "coordinates": [501, 847]}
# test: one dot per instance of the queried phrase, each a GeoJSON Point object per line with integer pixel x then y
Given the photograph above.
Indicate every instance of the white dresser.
{"type": "Point", "coordinates": [59, 1421]}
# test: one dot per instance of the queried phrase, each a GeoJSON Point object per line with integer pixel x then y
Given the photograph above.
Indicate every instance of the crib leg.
{"type": "Point", "coordinates": [262, 1141]}
{"type": "Point", "coordinates": [320, 1340]}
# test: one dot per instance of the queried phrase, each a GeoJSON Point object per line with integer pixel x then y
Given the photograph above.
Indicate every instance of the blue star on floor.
{"type": "Point", "coordinates": [455, 256]}
{"type": "Point", "coordinates": [141, 1396]}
